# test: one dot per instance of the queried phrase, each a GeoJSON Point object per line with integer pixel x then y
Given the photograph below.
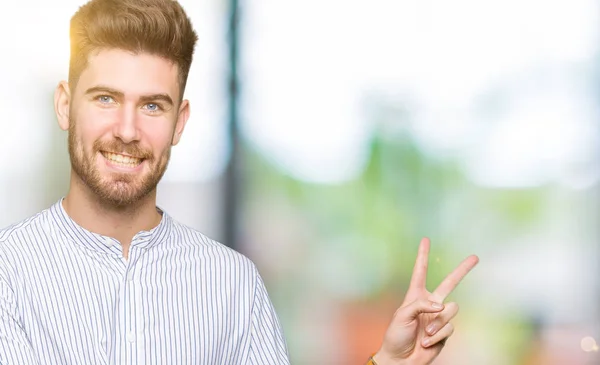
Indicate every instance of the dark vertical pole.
{"type": "Point", "coordinates": [231, 189]}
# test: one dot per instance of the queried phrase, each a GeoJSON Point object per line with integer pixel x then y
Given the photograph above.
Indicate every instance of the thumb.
{"type": "Point", "coordinates": [411, 311]}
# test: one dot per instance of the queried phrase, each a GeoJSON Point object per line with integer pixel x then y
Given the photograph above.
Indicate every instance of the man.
{"type": "Point", "coordinates": [106, 277]}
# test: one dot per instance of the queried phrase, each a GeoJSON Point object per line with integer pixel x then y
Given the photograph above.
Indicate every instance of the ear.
{"type": "Point", "coordinates": [182, 118]}
{"type": "Point", "coordinates": [62, 102]}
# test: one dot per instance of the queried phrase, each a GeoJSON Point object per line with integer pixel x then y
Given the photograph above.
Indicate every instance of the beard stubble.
{"type": "Point", "coordinates": [117, 190]}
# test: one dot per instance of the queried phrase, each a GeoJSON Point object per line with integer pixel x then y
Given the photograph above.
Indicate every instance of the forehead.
{"type": "Point", "coordinates": [134, 74]}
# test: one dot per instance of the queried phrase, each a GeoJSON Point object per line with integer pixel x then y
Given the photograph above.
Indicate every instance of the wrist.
{"type": "Point", "coordinates": [381, 359]}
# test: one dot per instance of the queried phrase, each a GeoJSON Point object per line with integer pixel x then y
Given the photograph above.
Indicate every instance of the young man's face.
{"type": "Point", "coordinates": [123, 117]}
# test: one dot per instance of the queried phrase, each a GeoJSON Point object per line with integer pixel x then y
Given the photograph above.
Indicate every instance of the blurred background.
{"type": "Point", "coordinates": [327, 137]}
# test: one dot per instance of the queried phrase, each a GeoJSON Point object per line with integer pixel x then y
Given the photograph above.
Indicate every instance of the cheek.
{"type": "Point", "coordinates": [87, 136]}
{"type": "Point", "coordinates": [159, 138]}
{"type": "Point", "coordinates": [91, 127]}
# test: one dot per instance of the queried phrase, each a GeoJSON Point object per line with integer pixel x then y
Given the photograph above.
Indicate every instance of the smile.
{"type": "Point", "coordinates": [122, 160]}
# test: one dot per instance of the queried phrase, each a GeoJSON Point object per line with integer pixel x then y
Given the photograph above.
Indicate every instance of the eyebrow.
{"type": "Point", "coordinates": [103, 89]}
{"type": "Point", "coordinates": [144, 99]}
{"type": "Point", "coordinates": [156, 97]}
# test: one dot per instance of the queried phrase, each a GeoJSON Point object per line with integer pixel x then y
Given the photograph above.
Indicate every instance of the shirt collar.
{"type": "Point", "coordinates": [109, 245]}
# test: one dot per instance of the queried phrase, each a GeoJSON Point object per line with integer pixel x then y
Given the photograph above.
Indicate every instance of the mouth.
{"type": "Point", "coordinates": [121, 160]}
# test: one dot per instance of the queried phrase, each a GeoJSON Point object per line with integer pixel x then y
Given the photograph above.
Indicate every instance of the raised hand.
{"type": "Point", "coordinates": [421, 325]}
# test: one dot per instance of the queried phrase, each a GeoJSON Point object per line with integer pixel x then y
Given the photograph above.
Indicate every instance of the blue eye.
{"type": "Point", "coordinates": [152, 107]}
{"type": "Point", "coordinates": [105, 99]}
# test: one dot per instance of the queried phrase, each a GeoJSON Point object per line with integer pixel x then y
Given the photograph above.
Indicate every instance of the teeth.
{"type": "Point", "coordinates": [126, 161]}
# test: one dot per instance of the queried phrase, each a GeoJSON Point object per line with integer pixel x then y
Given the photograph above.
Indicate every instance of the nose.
{"type": "Point", "coordinates": [126, 128]}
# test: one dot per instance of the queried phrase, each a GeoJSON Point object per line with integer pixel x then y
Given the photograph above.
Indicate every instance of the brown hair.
{"type": "Point", "coordinates": [157, 27]}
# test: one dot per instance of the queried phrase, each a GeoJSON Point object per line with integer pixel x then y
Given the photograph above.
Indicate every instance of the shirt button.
{"type": "Point", "coordinates": [109, 242]}
{"type": "Point", "coordinates": [131, 337]}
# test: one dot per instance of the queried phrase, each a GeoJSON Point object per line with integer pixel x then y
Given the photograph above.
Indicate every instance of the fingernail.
{"type": "Point", "coordinates": [431, 328]}
{"type": "Point", "coordinates": [426, 342]}
{"type": "Point", "coordinates": [437, 305]}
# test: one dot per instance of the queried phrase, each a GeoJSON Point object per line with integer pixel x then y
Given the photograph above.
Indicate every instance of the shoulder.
{"type": "Point", "coordinates": [24, 230]}
{"type": "Point", "coordinates": [211, 250]}
{"type": "Point", "coordinates": [17, 242]}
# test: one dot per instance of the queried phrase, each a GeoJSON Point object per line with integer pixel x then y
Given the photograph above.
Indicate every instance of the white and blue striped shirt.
{"type": "Point", "coordinates": [67, 296]}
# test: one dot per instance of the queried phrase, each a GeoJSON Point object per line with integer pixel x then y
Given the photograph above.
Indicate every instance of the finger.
{"type": "Point", "coordinates": [439, 337]}
{"type": "Point", "coordinates": [419, 275]}
{"type": "Point", "coordinates": [442, 318]}
{"type": "Point", "coordinates": [451, 281]}
{"type": "Point", "coordinates": [411, 311]}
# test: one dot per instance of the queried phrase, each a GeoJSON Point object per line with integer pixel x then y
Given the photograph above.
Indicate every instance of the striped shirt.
{"type": "Point", "coordinates": [67, 296]}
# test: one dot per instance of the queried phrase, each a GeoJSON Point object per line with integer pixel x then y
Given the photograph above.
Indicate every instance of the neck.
{"type": "Point", "coordinates": [119, 222]}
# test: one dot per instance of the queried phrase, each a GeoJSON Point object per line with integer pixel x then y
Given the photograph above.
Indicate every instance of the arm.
{"type": "Point", "coordinates": [267, 343]}
{"type": "Point", "coordinates": [15, 347]}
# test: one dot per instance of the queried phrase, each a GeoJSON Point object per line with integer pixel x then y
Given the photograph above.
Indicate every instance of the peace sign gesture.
{"type": "Point", "coordinates": [421, 325]}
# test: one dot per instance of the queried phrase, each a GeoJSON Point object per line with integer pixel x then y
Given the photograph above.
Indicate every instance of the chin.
{"type": "Point", "coordinates": [121, 194]}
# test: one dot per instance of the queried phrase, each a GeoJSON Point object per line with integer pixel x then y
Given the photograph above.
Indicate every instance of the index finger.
{"type": "Point", "coordinates": [451, 281]}
{"type": "Point", "coordinates": [419, 275]}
